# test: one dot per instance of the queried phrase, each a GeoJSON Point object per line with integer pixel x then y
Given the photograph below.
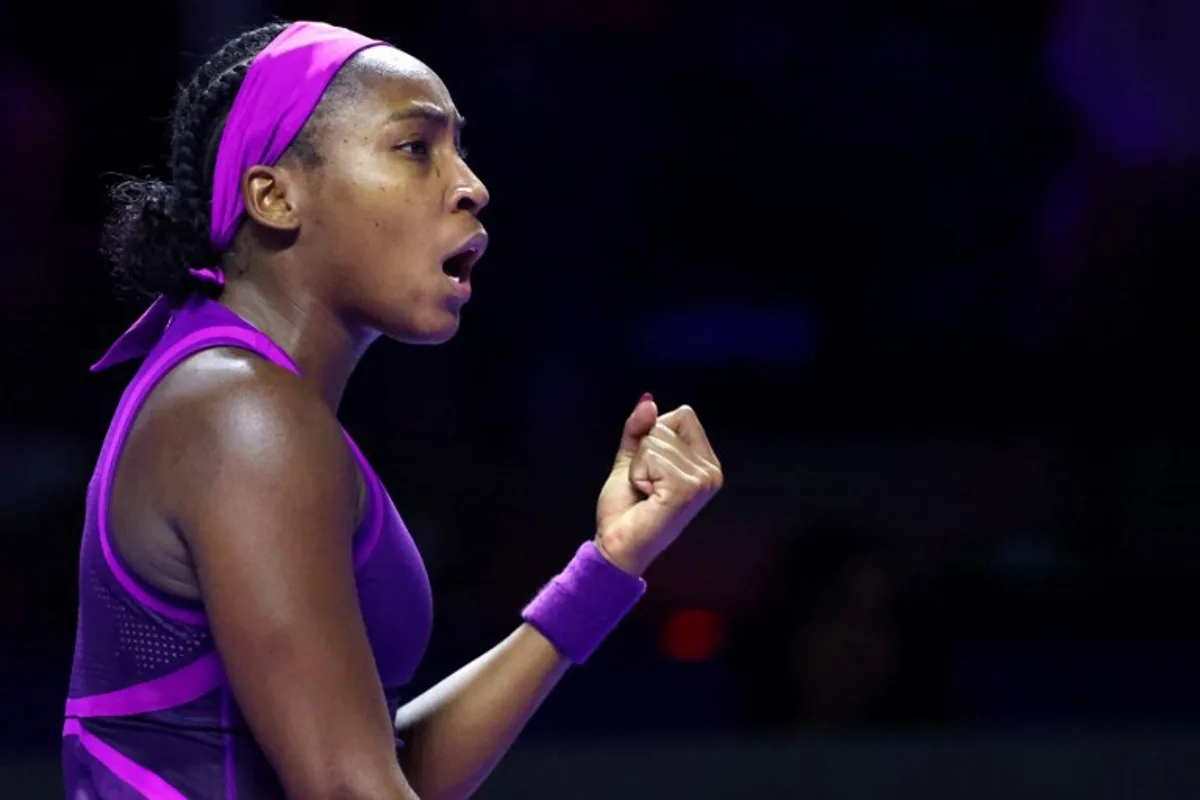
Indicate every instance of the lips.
{"type": "Point", "coordinates": [459, 263]}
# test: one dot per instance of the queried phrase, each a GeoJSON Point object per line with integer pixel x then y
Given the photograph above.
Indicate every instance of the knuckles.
{"type": "Point", "coordinates": [715, 478]}
{"type": "Point", "coordinates": [712, 478]}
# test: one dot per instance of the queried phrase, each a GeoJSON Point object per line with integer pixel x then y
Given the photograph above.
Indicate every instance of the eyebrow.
{"type": "Point", "coordinates": [429, 112]}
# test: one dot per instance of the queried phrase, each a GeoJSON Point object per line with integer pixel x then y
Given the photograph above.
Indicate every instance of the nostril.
{"type": "Point", "coordinates": [468, 202]}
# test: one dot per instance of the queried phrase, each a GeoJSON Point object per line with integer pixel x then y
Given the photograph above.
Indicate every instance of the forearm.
{"type": "Point", "coordinates": [456, 732]}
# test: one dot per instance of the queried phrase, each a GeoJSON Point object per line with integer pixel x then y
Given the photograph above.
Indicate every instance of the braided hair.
{"type": "Point", "coordinates": [160, 229]}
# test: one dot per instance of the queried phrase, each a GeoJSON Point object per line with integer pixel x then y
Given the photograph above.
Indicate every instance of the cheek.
{"type": "Point", "coordinates": [365, 233]}
{"type": "Point", "coordinates": [361, 189]}
{"type": "Point", "coordinates": [377, 225]}
{"type": "Point", "coordinates": [380, 214]}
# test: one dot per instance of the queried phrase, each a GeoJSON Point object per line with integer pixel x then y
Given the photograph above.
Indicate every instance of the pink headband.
{"type": "Point", "coordinates": [282, 86]}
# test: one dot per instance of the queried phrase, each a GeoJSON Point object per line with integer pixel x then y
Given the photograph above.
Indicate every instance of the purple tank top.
{"type": "Point", "coordinates": [149, 713]}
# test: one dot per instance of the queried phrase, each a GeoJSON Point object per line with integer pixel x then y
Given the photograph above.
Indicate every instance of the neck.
{"type": "Point", "coordinates": [324, 348]}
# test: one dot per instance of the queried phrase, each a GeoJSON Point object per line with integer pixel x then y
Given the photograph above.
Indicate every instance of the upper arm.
{"type": "Point", "coordinates": [269, 519]}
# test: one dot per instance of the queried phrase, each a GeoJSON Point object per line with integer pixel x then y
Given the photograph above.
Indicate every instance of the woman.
{"type": "Point", "coordinates": [251, 604]}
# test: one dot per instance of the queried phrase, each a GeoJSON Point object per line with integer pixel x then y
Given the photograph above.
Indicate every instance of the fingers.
{"type": "Point", "coordinates": [686, 425]}
{"type": "Point", "coordinates": [664, 456]}
{"type": "Point", "coordinates": [676, 461]}
{"type": "Point", "coordinates": [670, 445]}
{"type": "Point", "coordinates": [685, 482]}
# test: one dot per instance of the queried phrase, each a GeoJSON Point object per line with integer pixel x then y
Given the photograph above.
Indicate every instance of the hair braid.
{"type": "Point", "coordinates": [159, 230]}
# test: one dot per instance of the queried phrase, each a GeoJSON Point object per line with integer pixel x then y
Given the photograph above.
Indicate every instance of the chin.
{"type": "Point", "coordinates": [426, 334]}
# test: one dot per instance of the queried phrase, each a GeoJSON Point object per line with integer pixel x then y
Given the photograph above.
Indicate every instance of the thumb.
{"type": "Point", "coordinates": [640, 423]}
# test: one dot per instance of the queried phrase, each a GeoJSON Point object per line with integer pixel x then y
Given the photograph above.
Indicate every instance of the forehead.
{"type": "Point", "coordinates": [394, 79]}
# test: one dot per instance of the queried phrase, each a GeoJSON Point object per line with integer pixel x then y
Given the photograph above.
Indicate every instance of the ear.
{"type": "Point", "coordinates": [271, 196]}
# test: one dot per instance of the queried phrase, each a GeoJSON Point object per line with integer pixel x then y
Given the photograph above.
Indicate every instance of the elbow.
{"type": "Point", "coordinates": [350, 791]}
{"type": "Point", "coordinates": [357, 785]}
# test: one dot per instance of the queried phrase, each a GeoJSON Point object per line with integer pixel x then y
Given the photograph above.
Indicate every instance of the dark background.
{"type": "Point", "coordinates": [927, 272]}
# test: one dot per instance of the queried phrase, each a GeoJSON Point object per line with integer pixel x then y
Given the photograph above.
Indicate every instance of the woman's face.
{"type": "Point", "coordinates": [390, 214]}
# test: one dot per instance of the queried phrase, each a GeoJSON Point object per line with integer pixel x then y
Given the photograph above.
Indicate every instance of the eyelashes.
{"type": "Point", "coordinates": [419, 148]}
{"type": "Point", "coordinates": [422, 149]}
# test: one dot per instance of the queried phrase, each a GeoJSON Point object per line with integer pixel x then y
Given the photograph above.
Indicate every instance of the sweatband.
{"type": "Point", "coordinates": [582, 605]}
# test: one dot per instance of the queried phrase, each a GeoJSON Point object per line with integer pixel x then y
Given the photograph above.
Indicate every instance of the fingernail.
{"type": "Point", "coordinates": [646, 397]}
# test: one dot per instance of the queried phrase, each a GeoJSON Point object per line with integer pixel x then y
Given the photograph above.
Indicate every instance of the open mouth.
{"type": "Point", "coordinates": [458, 266]}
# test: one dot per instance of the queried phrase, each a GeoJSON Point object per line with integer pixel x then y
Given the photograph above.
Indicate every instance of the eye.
{"type": "Point", "coordinates": [419, 148]}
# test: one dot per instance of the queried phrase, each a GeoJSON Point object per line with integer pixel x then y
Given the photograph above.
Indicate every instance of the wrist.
{"type": "Point", "coordinates": [580, 606]}
{"type": "Point", "coordinates": [621, 558]}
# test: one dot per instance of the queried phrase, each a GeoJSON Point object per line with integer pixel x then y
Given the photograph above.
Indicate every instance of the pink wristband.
{"type": "Point", "coordinates": [577, 609]}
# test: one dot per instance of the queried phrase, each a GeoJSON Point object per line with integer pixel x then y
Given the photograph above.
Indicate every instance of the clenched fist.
{"type": "Point", "coordinates": [665, 472]}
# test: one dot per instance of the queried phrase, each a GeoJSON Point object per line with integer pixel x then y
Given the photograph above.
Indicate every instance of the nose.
{"type": "Point", "coordinates": [469, 193]}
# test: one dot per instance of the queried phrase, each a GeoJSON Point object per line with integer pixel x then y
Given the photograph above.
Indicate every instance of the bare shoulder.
{"type": "Point", "coordinates": [229, 433]}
